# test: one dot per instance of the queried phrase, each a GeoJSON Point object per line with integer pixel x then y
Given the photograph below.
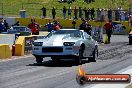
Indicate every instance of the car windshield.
{"type": "Point", "coordinates": [72, 33]}
{"type": "Point", "coordinates": [19, 28]}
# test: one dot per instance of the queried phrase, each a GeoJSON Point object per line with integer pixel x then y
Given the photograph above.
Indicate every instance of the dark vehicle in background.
{"type": "Point", "coordinates": [19, 29]}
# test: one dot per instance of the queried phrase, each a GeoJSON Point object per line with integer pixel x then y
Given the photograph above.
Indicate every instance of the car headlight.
{"type": "Point", "coordinates": [37, 43]}
{"type": "Point", "coordinates": [68, 43]}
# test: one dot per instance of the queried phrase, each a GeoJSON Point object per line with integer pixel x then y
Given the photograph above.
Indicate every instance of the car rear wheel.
{"type": "Point", "coordinates": [39, 59]}
{"type": "Point", "coordinates": [92, 59]}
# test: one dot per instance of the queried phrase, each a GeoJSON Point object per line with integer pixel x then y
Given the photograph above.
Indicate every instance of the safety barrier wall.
{"type": "Point", "coordinates": [5, 51]}
{"type": "Point", "coordinates": [23, 43]}
{"type": "Point", "coordinates": [66, 23]}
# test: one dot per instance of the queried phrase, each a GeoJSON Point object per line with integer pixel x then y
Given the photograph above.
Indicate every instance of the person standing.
{"type": "Point", "coordinates": [80, 12]}
{"type": "Point", "coordinates": [88, 14]}
{"type": "Point", "coordinates": [69, 12]}
{"type": "Point", "coordinates": [92, 13]}
{"type": "Point", "coordinates": [85, 12]}
{"type": "Point", "coordinates": [88, 28]}
{"type": "Point", "coordinates": [34, 27]}
{"type": "Point", "coordinates": [1, 26]}
{"type": "Point", "coordinates": [64, 12]}
{"type": "Point", "coordinates": [6, 26]}
{"type": "Point", "coordinates": [108, 28]}
{"type": "Point", "coordinates": [102, 15]}
{"type": "Point", "coordinates": [110, 14]}
{"type": "Point", "coordinates": [98, 14]}
{"type": "Point", "coordinates": [43, 12]}
{"type": "Point", "coordinates": [75, 12]}
{"type": "Point", "coordinates": [53, 12]}
{"type": "Point", "coordinates": [49, 26]}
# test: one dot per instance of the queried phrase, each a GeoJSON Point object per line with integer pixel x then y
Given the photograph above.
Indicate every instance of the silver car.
{"type": "Point", "coordinates": [64, 44]}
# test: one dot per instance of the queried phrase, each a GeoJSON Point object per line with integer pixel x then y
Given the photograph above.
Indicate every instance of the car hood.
{"type": "Point", "coordinates": [57, 40]}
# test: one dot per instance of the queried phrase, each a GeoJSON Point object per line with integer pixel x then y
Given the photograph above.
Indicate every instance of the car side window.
{"type": "Point", "coordinates": [86, 36]}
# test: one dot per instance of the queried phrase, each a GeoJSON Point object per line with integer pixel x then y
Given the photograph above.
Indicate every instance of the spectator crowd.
{"type": "Point", "coordinates": [91, 13]}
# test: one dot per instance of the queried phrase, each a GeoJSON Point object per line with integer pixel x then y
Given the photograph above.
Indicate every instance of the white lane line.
{"type": "Point", "coordinates": [127, 70]}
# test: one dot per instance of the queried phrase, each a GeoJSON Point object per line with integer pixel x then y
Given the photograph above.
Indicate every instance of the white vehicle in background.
{"type": "Point", "coordinates": [65, 44]}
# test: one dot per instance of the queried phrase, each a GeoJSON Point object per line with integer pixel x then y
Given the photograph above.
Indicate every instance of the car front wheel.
{"type": "Point", "coordinates": [39, 59]}
{"type": "Point", "coordinates": [78, 60]}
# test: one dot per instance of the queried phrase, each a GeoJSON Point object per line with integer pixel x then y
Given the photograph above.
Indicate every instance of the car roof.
{"type": "Point", "coordinates": [68, 29]}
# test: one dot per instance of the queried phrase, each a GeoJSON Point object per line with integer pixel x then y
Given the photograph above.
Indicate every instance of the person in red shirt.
{"type": "Point", "coordinates": [108, 27]}
{"type": "Point", "coordinates": [34, 27]}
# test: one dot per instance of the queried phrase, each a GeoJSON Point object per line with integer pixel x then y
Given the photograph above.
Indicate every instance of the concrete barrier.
{"type": "Point", "coordinates": [67, 23]}
{"type": "Point", "coordinates": [22, 43]}
{"type": "Point", "coordinates": [5, 51]}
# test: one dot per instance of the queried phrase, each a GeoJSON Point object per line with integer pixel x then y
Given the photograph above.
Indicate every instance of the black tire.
{"type": "Point", "coordinates": [55, 59]}
{"type": "Point", "coordinates": [130, 41]}
{"type": "Point", "coordinates": [39, 59]}
{"type": "Point", "coordinates": [92, 59]}
{"type": "Point", "coordinates": [78, 60]}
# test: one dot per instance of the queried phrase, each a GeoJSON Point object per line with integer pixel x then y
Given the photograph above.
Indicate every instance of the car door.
{"type": "Point", "coordinates": [87, 42]}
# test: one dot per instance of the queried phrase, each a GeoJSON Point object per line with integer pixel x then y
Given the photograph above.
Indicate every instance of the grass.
{"type": "Point", "coordinates": [12, 7]}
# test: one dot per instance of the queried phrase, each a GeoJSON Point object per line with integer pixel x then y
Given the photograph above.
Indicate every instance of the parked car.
{"type": "Point", "coordinates": [118, 28]}
{"type": "Point", "coordinates": [19, 29]}
{"type": "Point", "coordinates": [64, 44]}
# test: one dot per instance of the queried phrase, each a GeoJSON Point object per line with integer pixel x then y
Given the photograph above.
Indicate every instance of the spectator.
{"type": "Point", "coordinates": [34, 27]}
{"type": "Point", "coordinates": [102, 15]}
{"type": "Point", "coordinates": [109, 14]}
{"type": "Point", "coordinates": [98, 14]}
{"type": "Point", "coordinates": [1, 26]}
{"type": "Point", "coordinates": [69, 12]}
{"type": "Point", "coordinates": [49, 26]}
{"type": "Point", "coordinates": [85, 12]}
{"type": "Point", "coordinates": [83, 25]}
{"type": "Point", "coordinates": [80, 12]}
{"type": "Point", "coordinates": [88, 14]}
{"type": "Point", "coordinates": [43, 12]}
{"type": "Point", "coordinates": [56, 25]}
{"type": "Point", "coordinates": [6, 26]}
{"type": "Point", "coordinates": [86, 27]}
{"type": "Point", "coordinates": [53, 12]}
{"type": "Point", "coordinates": [92, 13]}
{"type": "Point", "coordinates": [17, 23]}
{"type": "Point", "coordinates": [117, 15]}
{"type": "Point", "coordinates": [108, 27]}
{"type": "Point", "coordinates": [74, 24]}
{"type": "Point", "coordinates": [120, 10]}
{"type": "Point", "coordinates": [64, 12]}
{"type": "Point", "coordinates": [75, 12]}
